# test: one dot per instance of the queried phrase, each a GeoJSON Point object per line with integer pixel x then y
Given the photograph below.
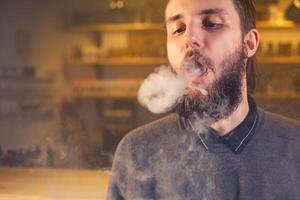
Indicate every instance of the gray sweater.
{"type": "Point", "coordinates": [162, 160]}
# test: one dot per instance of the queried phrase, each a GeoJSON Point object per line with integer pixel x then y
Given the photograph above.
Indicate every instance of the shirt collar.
{"type": "Point", "coordinates": [237, 139]}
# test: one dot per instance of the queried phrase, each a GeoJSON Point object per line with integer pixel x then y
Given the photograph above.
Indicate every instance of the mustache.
{"type": "Point", "coordinates": [198, 57]}
{"type": "Point", "coordinates": [195, 53]}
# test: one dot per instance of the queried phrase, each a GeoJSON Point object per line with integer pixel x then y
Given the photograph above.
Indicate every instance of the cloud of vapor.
{"type": "Point", "coordinates": [161, 90]}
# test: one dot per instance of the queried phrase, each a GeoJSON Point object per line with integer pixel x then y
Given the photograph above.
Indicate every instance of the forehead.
{"type": "Point", "coordinates": [186, 8]}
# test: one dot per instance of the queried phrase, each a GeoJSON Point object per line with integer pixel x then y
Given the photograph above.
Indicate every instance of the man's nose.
{"type": "Point", "coordinates": [191, 38]}
{"type": "Point", "coordinates": [190, 45]}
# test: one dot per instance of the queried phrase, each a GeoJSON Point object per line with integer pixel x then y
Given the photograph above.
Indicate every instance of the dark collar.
{"type": "Point", "coordinates": [237, 139]}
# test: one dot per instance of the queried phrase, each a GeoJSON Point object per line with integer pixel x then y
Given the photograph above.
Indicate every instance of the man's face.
{"type": "Point", "coordinates": [205, 45]}
{"type": "Point", "coordinates": [209, 27]}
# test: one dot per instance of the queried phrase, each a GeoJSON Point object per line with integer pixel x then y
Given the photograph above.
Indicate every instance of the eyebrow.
{"type": "Point", "coordinates": [202, 12]}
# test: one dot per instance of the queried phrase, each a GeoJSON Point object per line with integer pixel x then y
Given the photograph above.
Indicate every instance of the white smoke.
{"type": "Point", "coordinates": [163, 89]}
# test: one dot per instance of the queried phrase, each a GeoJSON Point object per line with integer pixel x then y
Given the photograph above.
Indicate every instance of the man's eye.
{"type": "Point", "coordinates": [212, 25]}
{"type": "Point", "coordinates": [179, 30]}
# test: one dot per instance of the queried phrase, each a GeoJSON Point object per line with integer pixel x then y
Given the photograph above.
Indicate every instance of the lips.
{"type": "Point", "coordinates": [201, 69]}
{"type": "Point", "coordinates": [195, 67]}
{"type": "Point", "coordinates": [200, 78]}
{"type": "Point", "coordinates": [199, 72]}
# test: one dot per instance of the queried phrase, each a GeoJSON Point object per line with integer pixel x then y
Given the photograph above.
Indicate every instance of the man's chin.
{"type": "Point", "coordinates": [192, 101]}
{"type": "Point", "coordinates": [219, 99]}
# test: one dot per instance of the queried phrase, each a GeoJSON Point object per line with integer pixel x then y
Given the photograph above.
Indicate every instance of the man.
{"type": "Point", "coordinates": [219, 145]}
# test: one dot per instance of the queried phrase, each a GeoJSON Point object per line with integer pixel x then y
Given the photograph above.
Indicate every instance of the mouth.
{"type": "Point", "coordinates": [201, 69]}
{"type": "Point", "coordinates": [195, 67]}
{"type": "Point", "coordinates": [200, 73]}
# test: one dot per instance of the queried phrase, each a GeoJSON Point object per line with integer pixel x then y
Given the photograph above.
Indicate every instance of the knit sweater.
{"type": "Point", "coordinates": [163, 160]}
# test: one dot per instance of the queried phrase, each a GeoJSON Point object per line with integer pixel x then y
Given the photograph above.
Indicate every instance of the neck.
{"type": "Point", "coordinates": [224, 126]}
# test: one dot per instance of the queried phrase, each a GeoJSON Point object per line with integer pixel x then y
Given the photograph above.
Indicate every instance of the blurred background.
{"type": "Point", "coordinates": [70, 71]}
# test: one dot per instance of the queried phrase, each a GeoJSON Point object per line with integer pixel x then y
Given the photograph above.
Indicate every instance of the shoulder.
{"type": "Point", "coordinates": [141, 145]}
{"type": "Point", "coordinates": [280, 125]}
{"type": "Point", "coordinates": [164, 126]}
{"type": "Point", "coordinates": [150, 136]}
{"type": "Point", "coordinates": [277, 139]}
{"type": "Point", "coordinates": [138, 151]}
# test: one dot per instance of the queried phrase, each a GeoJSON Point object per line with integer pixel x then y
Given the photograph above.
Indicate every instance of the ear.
{"type": "Point", "coordinates": [251, 40]}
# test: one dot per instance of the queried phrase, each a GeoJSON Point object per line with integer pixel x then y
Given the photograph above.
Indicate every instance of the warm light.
{"type": "Point", "coordinates": [113, 5]}
{"type": "Point", "coordinates": [116, 4]}
{"type": "Point", "coordinates": [120, 4]}
{"type": "Point", "coordinates": [297, 3]}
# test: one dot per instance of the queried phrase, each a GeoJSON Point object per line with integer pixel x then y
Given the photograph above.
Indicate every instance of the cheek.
{"type": "Point", "coordinates": [174, 55]}
{"type": "Point", "coordinates": [222, 49]}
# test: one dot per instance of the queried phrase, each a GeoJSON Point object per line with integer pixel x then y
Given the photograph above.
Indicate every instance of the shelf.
{"type": "Point", "coordinates": [161, 27]}
{"type": "Point", "coordinates": [111, 88]}
{"type": "Point", "coordinates": [128, 88]}
{"type": "Point", "coordinates": [160, 61]}
{"type": "Point", "coordinates": [121, 61]}
{"type": "Point", "coordinates": [276, 25]}
{"type": "Point", "coordinates": [277, 96]}
{"type": "Point", "coordinates": [133, 95]}
{"type": "Point", "coordinates": [121, 27]}
{"type": "Point", "coordinates": [278, 59]}
{"type": "Point", "coordinates": [107, 96]}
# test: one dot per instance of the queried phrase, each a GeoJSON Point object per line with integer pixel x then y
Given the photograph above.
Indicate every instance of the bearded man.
{"type": "Point", "coordinates": [218, 145]}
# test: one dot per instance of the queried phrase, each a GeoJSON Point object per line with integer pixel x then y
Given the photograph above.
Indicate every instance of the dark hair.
{"type": "Point", "coordinates": [247, 13]}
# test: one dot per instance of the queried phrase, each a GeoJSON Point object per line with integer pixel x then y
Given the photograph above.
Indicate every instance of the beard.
{"type": "Point", "coordinates": [224, 95]}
